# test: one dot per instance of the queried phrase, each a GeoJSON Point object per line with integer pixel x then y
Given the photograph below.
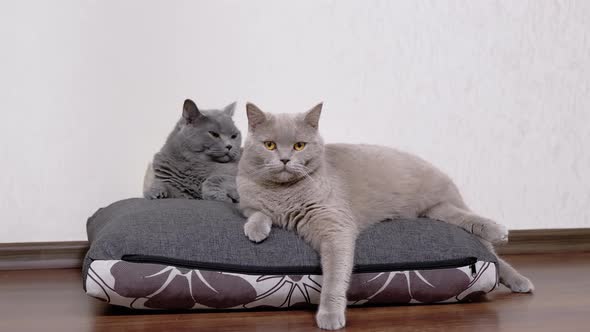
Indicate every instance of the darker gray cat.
{"type": "Point", "coordinates": [199, 159]}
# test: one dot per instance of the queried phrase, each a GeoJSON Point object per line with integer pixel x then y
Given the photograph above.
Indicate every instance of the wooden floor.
{"type": "Point", "coordinates": [53, 300]}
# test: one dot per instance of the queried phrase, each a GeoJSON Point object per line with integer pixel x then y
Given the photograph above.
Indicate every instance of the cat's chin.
{"type": "Point", "coordinates": [223, 159]}
{"type": "Point", "coordinates": [285, 176]}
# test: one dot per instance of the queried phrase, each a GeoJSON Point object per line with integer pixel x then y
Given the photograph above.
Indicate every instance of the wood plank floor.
{"type": "Point", "coordinates": [53, 300]}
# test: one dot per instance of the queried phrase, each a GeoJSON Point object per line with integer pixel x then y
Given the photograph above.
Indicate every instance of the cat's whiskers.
{"type": "Point", "coordinates": [300, 169]}
{"type": "Point", "coordinates": [264, 168]}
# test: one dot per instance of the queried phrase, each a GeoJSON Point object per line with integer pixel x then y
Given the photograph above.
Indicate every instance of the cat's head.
{"type": "Point", "coordinates": [282, 148]}
{"type": "Point", "coordinates": [210, 132]}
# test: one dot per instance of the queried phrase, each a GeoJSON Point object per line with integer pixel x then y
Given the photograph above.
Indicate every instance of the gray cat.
{"type": "Point", "coordinates": [329, 193]}
{"type": "Point", "coordinates": [199, 159]}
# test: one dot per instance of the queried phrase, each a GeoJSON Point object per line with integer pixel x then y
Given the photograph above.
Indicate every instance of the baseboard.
{"type": "Point", "coordinates": [53, 255]}
{"type": "Point", "coordinates": [546, 241]}
{"type": "Point", "coordinates": [42, 255]}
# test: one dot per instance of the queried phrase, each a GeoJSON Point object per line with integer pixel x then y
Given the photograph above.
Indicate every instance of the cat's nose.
{"type": "Point", "coordinates": [228, 147]}
{"type": "Point", "coordinates": [285, 161]}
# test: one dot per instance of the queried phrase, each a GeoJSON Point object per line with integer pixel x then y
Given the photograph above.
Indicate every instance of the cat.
{"type": "Point", "coordinates": [199, 159]}
{"type": "Point", "coordinates": [329, 193]}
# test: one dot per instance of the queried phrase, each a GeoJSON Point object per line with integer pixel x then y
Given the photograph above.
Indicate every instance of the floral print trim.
{"type": "Point", "coordinates": [154, 286]}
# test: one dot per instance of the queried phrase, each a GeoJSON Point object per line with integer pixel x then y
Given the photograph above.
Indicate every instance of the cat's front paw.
{"type": "Point", "coordinates": [257, 230]}
{"type": "Point", "coordinates": [220, 188]}
{"type": "Point", "coordinates": [494, 233]}
{"type": "Point", "coordinates": [519, 284]}
{"type": "Point", "coordinates": [216, 196]}
{"type": "Point", "coordinates": [233, 196]}
{"type": "Point", "coordinates": [330, 320]}
{"type": "Point", "coordinates": [230, 196]}
{"type": "Point", "coordinates": [156, 194]}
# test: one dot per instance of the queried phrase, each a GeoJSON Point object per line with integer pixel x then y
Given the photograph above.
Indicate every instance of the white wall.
{"type": "Point", "coordinates": [496, 93]}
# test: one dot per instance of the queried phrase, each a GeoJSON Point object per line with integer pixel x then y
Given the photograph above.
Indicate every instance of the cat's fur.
{"type": "Point", "coordinates": [199, 159]}
{"type": "Point", "coordinates": [329, 193]}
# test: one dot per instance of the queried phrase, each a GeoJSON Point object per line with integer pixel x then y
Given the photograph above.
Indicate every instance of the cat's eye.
{"type": "Point", "coordinates": [214, 134]}
{"type": "Point", "coordinates": [270, 145]}
{"type": "Point", "coordinates": [299, 146]}
{"type": "Point", "coordinates": [234, 136]}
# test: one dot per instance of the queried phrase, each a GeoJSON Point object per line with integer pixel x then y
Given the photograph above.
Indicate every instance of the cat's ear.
{"type": "Point", "coordinates": [312, 117]}
{"type": "Point", "coordinates": [190, 112]}
{"type": "Point", "coordinates": [256, 117]}
{"type": "Point", "coordinates": [230, 109]}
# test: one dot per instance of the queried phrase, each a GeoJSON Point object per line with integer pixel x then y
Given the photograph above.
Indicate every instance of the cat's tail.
{"type": "Point", "coordinates": [148, 179]}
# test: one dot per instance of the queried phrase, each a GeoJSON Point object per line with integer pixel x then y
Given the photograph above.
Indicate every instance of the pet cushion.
{"type": "Point", "coordinates": [192, 254]}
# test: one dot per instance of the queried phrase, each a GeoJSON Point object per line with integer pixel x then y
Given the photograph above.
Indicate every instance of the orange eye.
{"type": "Point", "coordinates": [299, 146]}
{"type": "Point", "coordinates": [270, 145]}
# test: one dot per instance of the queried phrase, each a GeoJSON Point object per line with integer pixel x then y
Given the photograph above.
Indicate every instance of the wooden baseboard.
{"type": "Point", "coordinates": [546, 241]}
{"type": "Point", "coordinates": [42, 255]}
{"type": "Point", "coordinates": [53, 255]}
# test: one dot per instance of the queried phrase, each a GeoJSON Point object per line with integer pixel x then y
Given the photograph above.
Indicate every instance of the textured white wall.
{"type": "Point", "coordinates": [496, 93]}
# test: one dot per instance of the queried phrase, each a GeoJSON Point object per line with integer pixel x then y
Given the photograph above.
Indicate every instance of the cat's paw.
{"type": "Point", "coordinates": [256, 230]}
{"type": "Point", "coordinates": [220, 188]}
{"type": "Point", "coordinates": [217, 196]}
{"type": "Point", "coordinates": [155, 194]}
{"type": "Point", "coordinates": [330, 320]}
{"type": "Point", "coordinates": [233, 196]}
{"type": "Point", "coordinates": [519, 284]}
{"type": "Point", "coordinates": [492, 232]}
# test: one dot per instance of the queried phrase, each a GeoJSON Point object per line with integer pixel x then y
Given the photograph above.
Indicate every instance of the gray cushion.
{"type": "Point", "coordinates": [207, 236]}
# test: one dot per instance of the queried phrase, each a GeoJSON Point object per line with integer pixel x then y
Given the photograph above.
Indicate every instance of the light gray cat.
{"type": "Point", "coordinates": [199, 159]}
{"type": "Point", "coordinates": [330, 193]}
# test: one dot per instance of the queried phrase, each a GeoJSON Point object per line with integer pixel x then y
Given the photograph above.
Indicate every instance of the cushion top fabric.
{"type": "Point", "coordinates": [209, 235]}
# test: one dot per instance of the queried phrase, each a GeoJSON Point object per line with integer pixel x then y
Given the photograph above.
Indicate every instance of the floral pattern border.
{"type": "Point", "coordinates": [153, 286]}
